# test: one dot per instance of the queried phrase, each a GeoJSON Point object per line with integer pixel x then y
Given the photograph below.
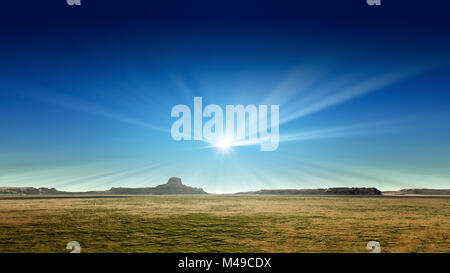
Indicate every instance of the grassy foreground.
{"type": "Point", "coordinates": [225, 224]}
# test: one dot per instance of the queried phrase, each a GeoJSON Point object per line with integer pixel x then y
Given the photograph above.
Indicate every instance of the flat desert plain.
{"type": "Point", "coordinates": [224, 223]}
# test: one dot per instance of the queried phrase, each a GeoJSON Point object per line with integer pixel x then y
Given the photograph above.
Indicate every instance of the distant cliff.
{"type": "Point", "coordinates": [330, 191]}
{"type": "Point", "coordinates": [173, 186]}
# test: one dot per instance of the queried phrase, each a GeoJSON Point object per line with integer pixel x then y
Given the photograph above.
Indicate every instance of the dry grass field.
{"type": "Point", "coordinates": [224, 224]}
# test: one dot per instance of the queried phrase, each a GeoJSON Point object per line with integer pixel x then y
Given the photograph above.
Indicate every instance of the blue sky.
{"type": "Point", "coordinates": [86, 93]}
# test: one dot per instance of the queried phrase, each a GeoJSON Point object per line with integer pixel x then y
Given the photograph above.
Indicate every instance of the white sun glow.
{"type": "Point", "coordinates": [223, 144]}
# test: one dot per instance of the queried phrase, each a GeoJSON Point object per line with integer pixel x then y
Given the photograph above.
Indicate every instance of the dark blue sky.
{"type": "Point", "coordinates": [86, 92]}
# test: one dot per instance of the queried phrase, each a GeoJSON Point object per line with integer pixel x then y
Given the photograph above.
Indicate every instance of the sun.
{"type": "Point", "coordinates": [223, 144]}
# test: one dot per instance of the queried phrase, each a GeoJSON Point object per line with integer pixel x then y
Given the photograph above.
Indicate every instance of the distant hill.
{"type": "Point", "coordinates": [418, 192]}
{"type": "Point", "coordinates": [173, 186]}
{"type": "Point", "coordinates": [329, 191]}
{"type": "Point", "coordinates": [29, 190]}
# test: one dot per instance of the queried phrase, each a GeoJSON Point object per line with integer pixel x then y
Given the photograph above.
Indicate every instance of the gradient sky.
{"type": "Point", "coordinates": [86, 92]}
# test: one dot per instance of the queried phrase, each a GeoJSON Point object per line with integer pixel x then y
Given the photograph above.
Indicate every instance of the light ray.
{"type": "Point", "coordinates": [342, 89]}
{"type": "Point", "coordinates": [88, 107]}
